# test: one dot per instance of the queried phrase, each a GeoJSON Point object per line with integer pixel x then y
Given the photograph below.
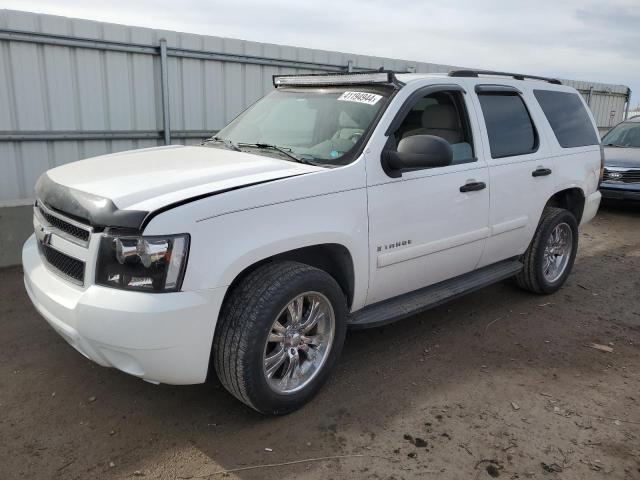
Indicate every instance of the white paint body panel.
{"type": "Point", "coordinates": [167, 337]}
{"type": "Point", "coordinates": [237, 229]}
{"type": "Point", "coordinates": [445, 242]}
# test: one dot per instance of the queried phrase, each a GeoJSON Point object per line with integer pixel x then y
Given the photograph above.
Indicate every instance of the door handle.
{"type": "Point", "coordinates": [473, 186]}
{"type": "Point", "coordinates": [541, 172]}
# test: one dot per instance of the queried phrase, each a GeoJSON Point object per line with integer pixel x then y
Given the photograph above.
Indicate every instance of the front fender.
{"type": "Point", "coordinates": [223, 246]}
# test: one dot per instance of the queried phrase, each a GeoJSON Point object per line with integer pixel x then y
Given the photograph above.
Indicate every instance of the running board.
{"type": "Point", "coordinates": [418, 301]}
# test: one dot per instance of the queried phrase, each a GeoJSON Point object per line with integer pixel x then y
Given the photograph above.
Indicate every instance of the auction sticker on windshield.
{"type": "Point", "coordinates": [360, 97]}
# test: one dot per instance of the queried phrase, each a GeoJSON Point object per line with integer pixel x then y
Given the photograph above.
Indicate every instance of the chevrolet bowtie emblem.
{"type": "Point", "coordinates": [43, 235]}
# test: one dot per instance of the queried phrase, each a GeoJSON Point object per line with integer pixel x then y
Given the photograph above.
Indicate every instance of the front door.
{"type": "Point", "coordinates": [427, 225]}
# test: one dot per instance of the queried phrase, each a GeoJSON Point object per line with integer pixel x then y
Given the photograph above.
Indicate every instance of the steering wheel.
{"type": "Point", "coordinates": [354, 137]}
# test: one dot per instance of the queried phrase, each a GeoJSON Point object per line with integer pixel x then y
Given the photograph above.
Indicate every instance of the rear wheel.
{"type": "Point", "coordinates": [279, 335]}
{"type": "Point", "coordinates": [549, 258]}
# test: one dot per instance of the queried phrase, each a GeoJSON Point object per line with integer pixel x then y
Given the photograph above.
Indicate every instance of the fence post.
{"type": "Point", "coordinates": [164, 81]}
{"type": "Point", "coordinates": [589, 96]}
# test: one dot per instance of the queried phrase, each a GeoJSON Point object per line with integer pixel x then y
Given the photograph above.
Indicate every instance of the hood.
{"type": "Point", "coordinates": [622, 157]}
{"type": "Point", "coordinates": [132, 184]}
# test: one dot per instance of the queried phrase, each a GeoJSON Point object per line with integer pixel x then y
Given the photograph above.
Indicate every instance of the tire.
{"type": "Point", "coordinates": [532, 277]}
{"type": "Point", "coordinates": [247, 321]}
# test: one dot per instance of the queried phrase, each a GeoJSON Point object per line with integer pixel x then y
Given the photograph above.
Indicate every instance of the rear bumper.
{"type": "Point", "coordinates": [621, 191]}
{"type": "Point", "coordinates": [591, 205]}
{"type": "Point", "coordinates": [163, 338]}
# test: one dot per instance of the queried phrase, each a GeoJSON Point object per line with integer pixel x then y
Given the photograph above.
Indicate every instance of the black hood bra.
{"type": "Point", "coordinates": [85, 207]}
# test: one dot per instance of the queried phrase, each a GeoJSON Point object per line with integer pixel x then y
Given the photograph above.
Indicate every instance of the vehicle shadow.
{"type": "Point", "coordinates": [67, 418]}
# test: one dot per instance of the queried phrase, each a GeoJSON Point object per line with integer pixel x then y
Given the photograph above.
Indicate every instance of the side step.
{"type": "Point", "coordinates": [418, 301]}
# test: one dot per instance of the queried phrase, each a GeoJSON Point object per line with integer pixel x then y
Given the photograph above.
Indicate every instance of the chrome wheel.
{"type": "Point", "coordinates": [299, 342]}
{"type": "Point", "coordinates": [557, 252]}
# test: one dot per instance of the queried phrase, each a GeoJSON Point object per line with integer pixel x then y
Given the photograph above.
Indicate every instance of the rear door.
{"type": "Point", "coordinates": [520, 168]}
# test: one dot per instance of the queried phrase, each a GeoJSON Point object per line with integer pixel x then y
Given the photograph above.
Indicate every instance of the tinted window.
{"type": "Point", "coordinates": [568, 118]}
{"type": "Point", "coordinates": [509, 125]}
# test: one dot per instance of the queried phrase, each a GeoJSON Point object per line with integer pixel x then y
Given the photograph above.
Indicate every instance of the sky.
{"type": "Point", "coordinates": [575, 39]}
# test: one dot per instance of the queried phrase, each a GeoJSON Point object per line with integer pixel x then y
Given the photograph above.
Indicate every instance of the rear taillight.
{"type": "Point", "coordinates": [601, 165]}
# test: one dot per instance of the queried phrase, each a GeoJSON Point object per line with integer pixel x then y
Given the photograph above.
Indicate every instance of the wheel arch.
{"type": "Point", "coordinates": [333, 258]}
{"type": "Point", "coordinates": [572, 199]}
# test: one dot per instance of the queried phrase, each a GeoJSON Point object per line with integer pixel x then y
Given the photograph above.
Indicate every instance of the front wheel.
{"type": "Point", "coordinates": [279, 335]}
{"type": "Point", "coordinates": [549, 258]}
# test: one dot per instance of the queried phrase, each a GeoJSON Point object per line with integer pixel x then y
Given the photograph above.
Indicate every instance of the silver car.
{"type": "Point", "coordinates": [621, 179]}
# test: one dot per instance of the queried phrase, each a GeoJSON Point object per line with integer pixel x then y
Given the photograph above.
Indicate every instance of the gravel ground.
{"type": "Point", "coordinates": [500, 383]}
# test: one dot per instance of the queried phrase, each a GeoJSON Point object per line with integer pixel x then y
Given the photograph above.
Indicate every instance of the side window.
{"type": "Point", "coordinates": [568, 118]}
{"type": "Point", "coordinates": [442, 114]}
{"type": "Point", "coordinates": [509, 125]}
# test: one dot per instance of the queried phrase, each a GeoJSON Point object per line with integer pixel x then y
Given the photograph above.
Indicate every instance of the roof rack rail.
{"type": "Point", "coordinates": [517, 76]}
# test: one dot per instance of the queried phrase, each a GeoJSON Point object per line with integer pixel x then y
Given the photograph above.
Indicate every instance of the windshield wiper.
{"type": "Point", "coordinates": [225, 141]}
{"type": "Point", "coordinates": [278, 149]}
{"type": "Point", "coordinates": [615, 145]}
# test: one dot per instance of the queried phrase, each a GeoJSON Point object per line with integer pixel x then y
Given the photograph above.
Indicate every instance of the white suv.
{"type": "Point", "coordinates": [336, 201]}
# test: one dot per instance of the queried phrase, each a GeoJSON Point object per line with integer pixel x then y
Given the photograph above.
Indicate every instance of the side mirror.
{"type": "Point", "coordinates": [419, 151]}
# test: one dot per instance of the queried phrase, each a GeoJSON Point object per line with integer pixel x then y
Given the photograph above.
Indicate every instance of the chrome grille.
{"type": "Point", "coordinates": [68, 228]}
{"type": "Point", "coordinates": [66, 266]}
{"type": "Point", "coordinates": [631, 175]}
{"type": "Point", "coordinates": [63, 242]}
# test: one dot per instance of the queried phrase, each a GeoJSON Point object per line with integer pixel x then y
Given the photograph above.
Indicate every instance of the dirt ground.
{"type": "Point", "coordinates": [500, 383]}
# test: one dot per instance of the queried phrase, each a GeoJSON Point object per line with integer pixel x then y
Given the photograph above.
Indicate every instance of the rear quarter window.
{"type": "Point", "coordinates": [568, 118]}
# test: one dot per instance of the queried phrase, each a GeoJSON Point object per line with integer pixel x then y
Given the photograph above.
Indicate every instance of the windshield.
{"type": "Point", "coordinates": [319, 125]}
{"type": "Point", "coordinates": [624, 135]}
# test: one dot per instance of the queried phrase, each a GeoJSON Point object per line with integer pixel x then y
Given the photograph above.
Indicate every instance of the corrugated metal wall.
{"type": "Point", "coordinates": [72, 88]}
{"type": "Point", "coordinates": [607, 102]}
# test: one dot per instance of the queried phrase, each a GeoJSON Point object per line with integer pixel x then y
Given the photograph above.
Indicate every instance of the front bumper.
{"type": "Point", "coordinates": [620, 191]}
{"type": "Point", "coordinates": [164, 337]}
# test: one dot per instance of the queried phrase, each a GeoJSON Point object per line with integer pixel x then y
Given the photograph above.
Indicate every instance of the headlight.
{"type": "Point", "coordinates": [148, 264]}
